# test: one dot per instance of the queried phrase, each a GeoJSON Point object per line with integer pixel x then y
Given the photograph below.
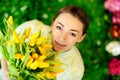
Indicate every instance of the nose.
{"type": "Point", "coordinates": [63, 37]}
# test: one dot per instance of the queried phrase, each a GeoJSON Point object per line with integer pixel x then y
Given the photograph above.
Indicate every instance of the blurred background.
{"type": "Point", "coordinates": [100, 49]}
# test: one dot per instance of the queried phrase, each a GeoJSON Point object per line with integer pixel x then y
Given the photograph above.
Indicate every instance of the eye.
{"type": "Point", "coordinates": [73, 34]}
{"type": "Point", "coordinates": [59, 27]}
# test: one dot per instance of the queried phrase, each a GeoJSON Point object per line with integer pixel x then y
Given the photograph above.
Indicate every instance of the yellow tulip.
{"type": "Point", "coordinates": [21, 40]}
{"type": "Point", "coordinates": [40, 40]}
{"type": "Point", "coordinates": [9, 43]}
{"type": "Point", "coordinates": [34, 36]}
{"type": "Point", "coordinates": [29, 62]}
{"type": "Point", "coordinates": [18, 56]}
{"type": "Point", "coordinates": [16, 37]}
{"type": "Point", "coordinates": [29, 57]}
{"type": "Point", "coordinates": [27, 32]}
{"type": "Point", "coordinates": [34, 55]}
{"type": "Point", "coordinates": [50, 75]}
{"type": "Point", "coordinates": [10, 20]}
{"type": "Point", "coordinates": [59, 71]}
{"type": "Point", "coordinates": [34, 65]}
{"type": "Point", "coordinates": [43, 64]}
{"type": "Point", "coordinates": [42, 57]}
{"type": "Point", "coordinates": [47, 46]}
{"type": "Point", "coordinates": [22, 58]}
{"type": "Point", "coordinates": [42, 50]}
{"type": "Point", "coordinates": [56, 65]}
{"type": "Point", "coordinates": [32, 43]}
{"type": "Point", "coordinates": [23, 37]}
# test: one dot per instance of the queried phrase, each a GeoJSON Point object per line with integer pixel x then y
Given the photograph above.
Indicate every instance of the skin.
{"type": "Point", "coordinates": [67, 30]}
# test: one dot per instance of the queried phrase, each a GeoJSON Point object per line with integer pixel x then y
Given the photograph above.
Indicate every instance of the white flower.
{"type": "Point", "coordinates": [113, 48]}
{"type": "Point", "coordinates": [116, 51]}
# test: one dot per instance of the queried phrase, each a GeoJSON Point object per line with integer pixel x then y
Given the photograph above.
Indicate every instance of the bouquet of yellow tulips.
{"type": "Point", "coordinates": [29, 57]}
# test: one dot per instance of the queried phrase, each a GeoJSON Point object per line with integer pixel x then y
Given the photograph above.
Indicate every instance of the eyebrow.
{"type": "Point", "coordinates": [61, 24]}
{"type": "Point", "coordinates": [70, 30]}
{"type": "Point", "coordinates": [74, 30]}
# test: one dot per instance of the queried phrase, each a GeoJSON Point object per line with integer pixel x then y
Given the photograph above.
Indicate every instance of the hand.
{"type": "Point", "coordinates": [4, 68]}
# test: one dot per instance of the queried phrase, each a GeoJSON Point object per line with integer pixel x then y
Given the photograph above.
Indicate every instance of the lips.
{"type": "Point", "coordinates": [58, 45]}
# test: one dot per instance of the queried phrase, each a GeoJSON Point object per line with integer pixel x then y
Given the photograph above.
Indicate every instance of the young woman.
{"type": "Point", "coordinates": [68, 28]}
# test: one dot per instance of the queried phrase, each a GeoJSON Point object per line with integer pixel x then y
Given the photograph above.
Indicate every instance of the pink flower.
{"type": "Point", "coordinates": [114, 66]}
{"type": "Point", "coordinates": [112, 5]}
{"type": "Point", "coordinates": [115, 20]}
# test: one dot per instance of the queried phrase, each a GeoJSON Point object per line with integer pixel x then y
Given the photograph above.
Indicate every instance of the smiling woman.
{"type": "Point", "coordinates": [68, 28]}
{"type": "Point", "coordinates": [69, 31]}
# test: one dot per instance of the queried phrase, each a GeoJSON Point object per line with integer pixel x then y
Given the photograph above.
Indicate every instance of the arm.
{"type": "Point", "coordinates": [4, 68]}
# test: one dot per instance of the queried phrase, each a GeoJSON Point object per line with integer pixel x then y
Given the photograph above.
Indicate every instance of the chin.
{"type": "Point", "coordinates": [59, 50]}
{"type": "Point", "coordinates": [56, 49]}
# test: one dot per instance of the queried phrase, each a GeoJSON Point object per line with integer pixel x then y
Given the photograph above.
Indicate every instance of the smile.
{"type": "Point", "coordinates": [59, 45]}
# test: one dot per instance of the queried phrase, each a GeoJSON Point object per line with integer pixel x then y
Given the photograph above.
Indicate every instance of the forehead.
{"type": "Point", "coordinates": [70, 21]}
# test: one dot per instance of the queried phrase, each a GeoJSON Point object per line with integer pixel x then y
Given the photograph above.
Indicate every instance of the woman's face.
{"type": "Point", "coordinates": [66, 31]}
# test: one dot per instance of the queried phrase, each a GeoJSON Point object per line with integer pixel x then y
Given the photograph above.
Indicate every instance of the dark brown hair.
{"type": "Point", "coordinates": [77, 12]}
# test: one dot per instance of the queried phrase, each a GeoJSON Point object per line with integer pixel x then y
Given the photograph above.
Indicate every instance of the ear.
{"type": "Point", "coordinates": [81, 38]}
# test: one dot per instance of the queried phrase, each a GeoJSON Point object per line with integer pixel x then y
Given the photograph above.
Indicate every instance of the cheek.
{"type": "Point", "coordinates": [71, 42]}
{"type": "Point", "coordinates": [54, 34]}
{"type": "Point", "coordinates": [69, 46]}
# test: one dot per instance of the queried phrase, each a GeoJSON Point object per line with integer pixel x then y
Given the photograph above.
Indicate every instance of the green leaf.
{"type": "Point", "coordinates": [1, 36]}
{"type": "Point", "coordinates": [12, 69]}
{"type": "Point", "coordinates": [4, 53]}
